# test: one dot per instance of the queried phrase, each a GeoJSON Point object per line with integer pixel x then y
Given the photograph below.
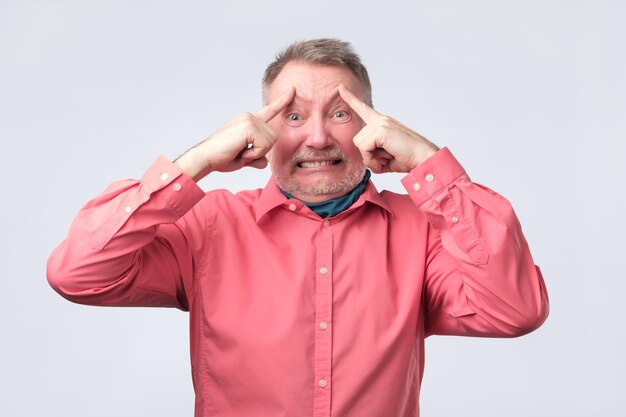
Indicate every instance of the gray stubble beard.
{"type": "Point", "coordinates": [323, 187]}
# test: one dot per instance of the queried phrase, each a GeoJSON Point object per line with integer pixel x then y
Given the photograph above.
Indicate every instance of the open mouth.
{"type": "Point", "coordinates": [314, 164]}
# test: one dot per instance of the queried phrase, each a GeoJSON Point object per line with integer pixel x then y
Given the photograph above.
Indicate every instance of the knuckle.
{"type": "Point", "coordinates": [247, 118]}
{"type": "Point", "coordinates": [385, 121]}
{"type": "Point", "coordinates": [381, 130]}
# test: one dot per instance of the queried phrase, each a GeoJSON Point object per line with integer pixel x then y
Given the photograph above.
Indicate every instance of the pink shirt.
{"type": "Point", "coordinates": [294, 315]}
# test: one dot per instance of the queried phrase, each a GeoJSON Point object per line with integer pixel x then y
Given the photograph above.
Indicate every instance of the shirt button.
{"type": "Point", "coordinates": [164, 176]}
{"type": "Point", "coordinates": [326, 223]}
{"type": "Point", "coordinates": [323, 383]}
{"type": "Point", "coordinates": [323, 270]}
{"type": "Point", "coordinates": [429, 177]}
{"type": "Point", "coordinates": [177, 187]}
{"type": "Point", "coordinates": [454, 219]}
{"type": "Point", "coordinates": [323, 325]}
{"type": "Point", "coordinates": [292, 206]}
{"type": "Point", "coordinates": [127, 209]}
{"type": "Point", "coordinates": [417, 186]}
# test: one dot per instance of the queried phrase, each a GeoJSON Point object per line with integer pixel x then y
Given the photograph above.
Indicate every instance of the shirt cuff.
{"type": "Point", "coordinates": [427, 180]}
{"type": "Point", "coordinates": [172, 185]}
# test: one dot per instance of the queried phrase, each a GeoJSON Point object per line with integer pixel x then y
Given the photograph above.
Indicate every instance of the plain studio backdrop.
{"type": "Point", "coordinates": [529, 95]}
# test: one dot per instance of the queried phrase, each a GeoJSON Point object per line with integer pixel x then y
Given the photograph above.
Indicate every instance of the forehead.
{"type": "Point", "coordinates": [313, 82]}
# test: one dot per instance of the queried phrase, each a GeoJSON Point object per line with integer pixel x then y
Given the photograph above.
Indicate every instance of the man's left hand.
{"type": "Point", "coordinates": [385, 144]}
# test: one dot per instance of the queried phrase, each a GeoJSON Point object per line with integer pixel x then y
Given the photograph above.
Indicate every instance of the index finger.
{"type": "Point", "coordinates": [364, 111]}
{"type": "Point", "coordinates": [271, 110]}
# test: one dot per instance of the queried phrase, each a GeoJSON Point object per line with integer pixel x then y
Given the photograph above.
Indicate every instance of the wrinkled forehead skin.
{"type": "Point", "coordinates": [312, 81]}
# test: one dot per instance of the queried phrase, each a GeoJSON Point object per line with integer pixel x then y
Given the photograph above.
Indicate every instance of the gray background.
{"type": "Point", "coordinates": [529, 95]}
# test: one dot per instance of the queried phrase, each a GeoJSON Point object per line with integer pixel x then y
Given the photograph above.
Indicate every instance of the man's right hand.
{"type": "Point", "coordinates": [244, 141]}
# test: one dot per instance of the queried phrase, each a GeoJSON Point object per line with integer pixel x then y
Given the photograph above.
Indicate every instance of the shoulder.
{"type": "Point", "coordinates": [220, 208]}
{"type": "Point", "coordinates": [226, 200]}
{"type": "Point", "coordinates": [394, 198]}
{"type": "Point", "coordinates": [398, 203]}
{"type": "Point", "coordinates": [402, 208]}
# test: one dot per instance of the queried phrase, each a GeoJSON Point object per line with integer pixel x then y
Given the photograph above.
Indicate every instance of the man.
{"type": "Point", "coordinates": [313, 296]}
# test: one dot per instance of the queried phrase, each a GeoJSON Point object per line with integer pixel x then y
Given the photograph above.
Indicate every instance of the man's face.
{"type": "Point", "coordinates": [314, 158]}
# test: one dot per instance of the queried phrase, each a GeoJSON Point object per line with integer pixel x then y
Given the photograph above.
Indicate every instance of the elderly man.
{"type": "Point", "coordinates": [312, 296]}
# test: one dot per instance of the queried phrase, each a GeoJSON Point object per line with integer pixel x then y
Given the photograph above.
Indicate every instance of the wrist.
{"type": "Point", "coordinates": [423, 151]}
{"type": "Point", "coordinates": [192, 165]}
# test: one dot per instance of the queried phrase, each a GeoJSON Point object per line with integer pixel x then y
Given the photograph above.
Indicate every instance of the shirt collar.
{"type": "Point", "coordinates": [271, 198]}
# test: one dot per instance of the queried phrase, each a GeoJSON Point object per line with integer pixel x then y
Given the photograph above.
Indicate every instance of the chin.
{"type": "Point", "coordinates": [330, 187]}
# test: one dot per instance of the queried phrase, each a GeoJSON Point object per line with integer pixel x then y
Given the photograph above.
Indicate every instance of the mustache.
{"type": "Point", "coordinates": [305, 155]}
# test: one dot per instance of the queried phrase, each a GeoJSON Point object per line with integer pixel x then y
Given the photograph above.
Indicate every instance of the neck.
{"type": "Point", "coordinates": [334, 206]}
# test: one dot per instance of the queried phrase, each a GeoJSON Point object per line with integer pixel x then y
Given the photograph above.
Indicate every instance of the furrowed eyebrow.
{"type": "Point", "coordinates": [302, 102]}
{"type": "Point", "coordinates": [297, 102]}
{"type": "Point", "coordinates": [339, 104]}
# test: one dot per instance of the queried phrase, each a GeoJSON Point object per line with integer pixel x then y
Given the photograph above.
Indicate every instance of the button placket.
{"type": "Point", "coordinates": [323, 316]}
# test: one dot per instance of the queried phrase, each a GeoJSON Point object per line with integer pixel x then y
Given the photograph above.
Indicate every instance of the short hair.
{"type": "Point", "coordinates": [322, 51]}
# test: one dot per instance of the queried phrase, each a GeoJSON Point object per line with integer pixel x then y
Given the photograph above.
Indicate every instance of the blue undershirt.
{"type": "Point", "coordinates": [336, 205]}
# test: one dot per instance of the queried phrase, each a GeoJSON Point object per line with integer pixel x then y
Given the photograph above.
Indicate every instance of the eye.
{"type": "Point", "coordinates": [294, 119]}
{"type": "Point", "coordinates": [341, 116]}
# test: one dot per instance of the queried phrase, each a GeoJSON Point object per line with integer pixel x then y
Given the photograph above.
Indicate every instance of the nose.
{"type": "Point", "coordinates": [318, 136]}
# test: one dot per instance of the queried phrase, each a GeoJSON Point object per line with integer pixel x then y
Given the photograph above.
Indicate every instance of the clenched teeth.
{"type": "Point", "coordinates": [312, 164]}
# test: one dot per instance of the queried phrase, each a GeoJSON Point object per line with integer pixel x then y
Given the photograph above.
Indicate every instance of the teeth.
{"type": "Point", "coordinates": [316, 164]}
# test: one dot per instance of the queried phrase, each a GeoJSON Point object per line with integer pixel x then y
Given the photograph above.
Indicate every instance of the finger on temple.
{"type": "Point", "coordinates": [271, 110]}
{"type": "Point", "coordinates": [364, 111]}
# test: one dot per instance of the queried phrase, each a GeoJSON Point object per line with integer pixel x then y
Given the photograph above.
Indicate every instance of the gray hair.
{"type": "Point", "coordinates": [323, 51]}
